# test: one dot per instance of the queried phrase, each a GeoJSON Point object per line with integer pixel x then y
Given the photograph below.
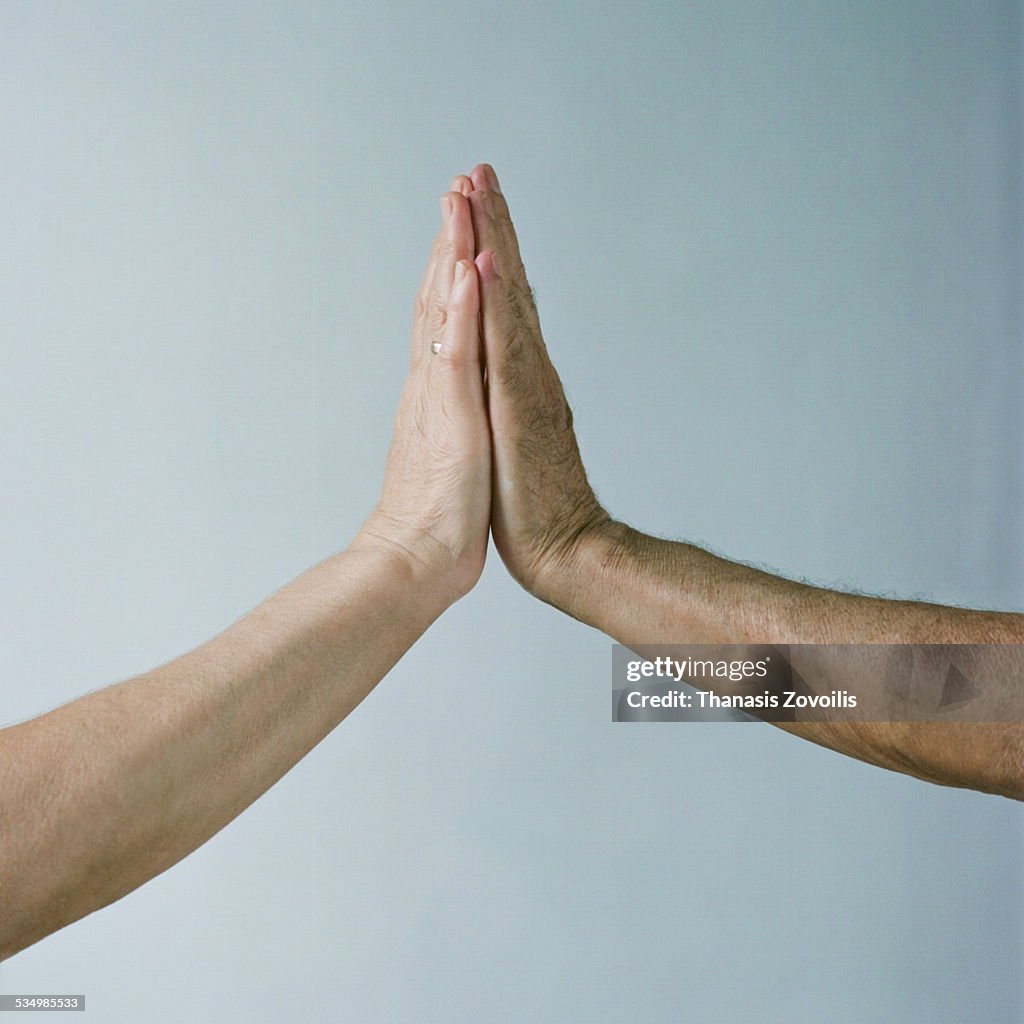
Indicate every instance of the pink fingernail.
{"type": "Point", "coordinates": [460, 271]}
{"type": "Point", "coordinates": [495, 265]}
{"type": "Point", "coordinates": [446, 207]}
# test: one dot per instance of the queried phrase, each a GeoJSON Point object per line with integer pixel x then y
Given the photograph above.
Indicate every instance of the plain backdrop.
{"type": "Point", "coordinates": [776, 248]}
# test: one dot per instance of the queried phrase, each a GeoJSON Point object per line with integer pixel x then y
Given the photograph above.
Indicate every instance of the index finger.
{"type": "Point", "coordinates": [460, 183]}
{"type": "Point", "coordinates": [492, 224]}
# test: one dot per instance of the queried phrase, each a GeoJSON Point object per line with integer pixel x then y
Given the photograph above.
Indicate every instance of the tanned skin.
{"type": "Point", "coordinates": [562, 546]}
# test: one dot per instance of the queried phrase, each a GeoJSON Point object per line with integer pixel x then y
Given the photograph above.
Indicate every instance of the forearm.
{"type": "Point", "coordinates": [105, 792]}
{"type": "Point", "coordinates": [645, 591]}
{"type": "Point", "coordinates": [657, 591]}
{"type": "Point", "coordinates": [558, 542]}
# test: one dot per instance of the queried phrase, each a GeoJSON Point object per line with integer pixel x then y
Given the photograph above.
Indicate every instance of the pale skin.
{"type": "Point", "coordinates": [103, 793]}
{"type": "Point", "coordinates": [113, 788]}
{"type": "Point", "coordinates": [564, 548]}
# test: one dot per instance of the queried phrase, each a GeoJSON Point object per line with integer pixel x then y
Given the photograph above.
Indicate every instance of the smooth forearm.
{"type": "Point", "coordinates": [109, 790]}
{"type": "Point", "coordinates": [643, 592]}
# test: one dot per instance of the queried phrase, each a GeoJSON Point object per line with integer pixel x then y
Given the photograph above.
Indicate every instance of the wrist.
{"type": "Point", "coordinates": [571, 581]}
{"type": "Point", "coordinates": [423, 565]}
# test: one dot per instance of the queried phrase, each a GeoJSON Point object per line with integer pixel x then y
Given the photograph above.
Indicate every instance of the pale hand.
{"type": "Point", "coordinates": [435, 504]}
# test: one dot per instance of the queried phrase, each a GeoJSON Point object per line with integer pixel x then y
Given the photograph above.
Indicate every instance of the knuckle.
{"type": "Point", "coordinates": [438, 317]}
{"type": "Point", "coordinates": [447, 360]}
{"type": "Point", "coordinates": [487, 201]}
{"type": "Point", "coordinates": [478, 207]}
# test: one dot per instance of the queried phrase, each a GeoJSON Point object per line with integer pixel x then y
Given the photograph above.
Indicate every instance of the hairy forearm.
{"type": "Point", "coordinates": [655, 590]}
{"type": "Point", "coordinates": [645, 591]}
{"type": "Point", "coordinates": [109, 790]}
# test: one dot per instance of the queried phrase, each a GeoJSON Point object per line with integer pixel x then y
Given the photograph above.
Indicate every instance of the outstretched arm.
{"type": "Point", "coordinates": [563, 547]}
{"type": "Point", "coordinates": [109, 790]}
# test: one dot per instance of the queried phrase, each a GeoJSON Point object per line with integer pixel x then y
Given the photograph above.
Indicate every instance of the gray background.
{"type": "Point", "coordinates": [776, 248]}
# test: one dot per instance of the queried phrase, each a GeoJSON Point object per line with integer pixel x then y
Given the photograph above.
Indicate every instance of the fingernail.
{"type": "Point", "coordinates": [492, 178]}
{"type": "Point", "coordinates": [495, 265]}
{"type": "Point", "coordinates": [460, 271]}
{"type": "Point", "coordinates": [446, 207]}
{"type": "Point", "coordinates": [487, 204]}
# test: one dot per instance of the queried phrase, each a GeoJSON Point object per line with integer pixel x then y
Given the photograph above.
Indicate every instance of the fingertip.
{"type": "Point", "coordinates": [477, 176]}
{"type": "Point", "coordinates": [484, 177]}
{"type": "Point", "coordinates": [488, 266]}
{"type": "Point", "coordinates": [459, 202]}
{"type": "Point", "coordinates": [462, 184]}
{"type": "Point", "coordinates": [459, 216]}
